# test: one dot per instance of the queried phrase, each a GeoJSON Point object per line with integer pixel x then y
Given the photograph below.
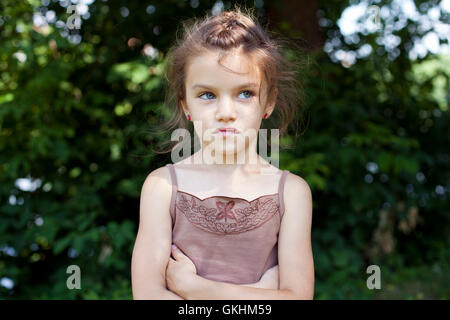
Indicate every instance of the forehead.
{"type": "Point", "coordinates": [234, 68]}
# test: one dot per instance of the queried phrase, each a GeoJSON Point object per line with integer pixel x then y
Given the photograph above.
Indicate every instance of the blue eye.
{"type": "Point", "coordinates": [250, 93]}
{"type": "Point", "coordinates": [204, 94]}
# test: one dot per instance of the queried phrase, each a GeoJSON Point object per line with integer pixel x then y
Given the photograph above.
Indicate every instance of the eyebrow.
{"type": "Point", "coordinates": [244, 85]}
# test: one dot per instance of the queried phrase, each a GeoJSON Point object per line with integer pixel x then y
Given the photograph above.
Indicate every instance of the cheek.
{"type": "Point", "coordinates": [201, 108]}
{"type": "Point", "coordinates": [253, 120]}
{"type": "Point", "coordinates": [254, 111]}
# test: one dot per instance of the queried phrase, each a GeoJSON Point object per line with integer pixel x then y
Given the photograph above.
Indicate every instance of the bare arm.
{"type": "Point", "coordinates": [154, 238]}
{"type": "Point", "coordinates": [269, 280]}
{"type": "Point", "coordinates": [295, 258]}
{"type": "Point", "coordinates": [206, 289]}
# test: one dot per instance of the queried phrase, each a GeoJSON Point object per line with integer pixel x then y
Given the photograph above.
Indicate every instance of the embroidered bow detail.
{"type": "Point", "coordinates": [225, 210]}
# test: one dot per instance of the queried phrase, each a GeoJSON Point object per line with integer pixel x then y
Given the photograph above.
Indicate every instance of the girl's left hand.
{"type": "Point", "coordinates": [180, 272]}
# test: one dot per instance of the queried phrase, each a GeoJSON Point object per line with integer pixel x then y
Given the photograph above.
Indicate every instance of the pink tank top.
{"type": "Point", "coordinates": [228, 239]}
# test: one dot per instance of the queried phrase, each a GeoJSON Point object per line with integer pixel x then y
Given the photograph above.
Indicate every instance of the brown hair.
{"type": "Point", "coordinates": [227, 31]}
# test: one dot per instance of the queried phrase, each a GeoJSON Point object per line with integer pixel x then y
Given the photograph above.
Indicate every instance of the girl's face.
{"type": "Point", "coordinates": [217, 98]}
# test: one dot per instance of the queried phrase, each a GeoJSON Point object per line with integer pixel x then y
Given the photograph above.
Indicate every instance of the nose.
{"type": "Point", "coordinates": [225, 110]}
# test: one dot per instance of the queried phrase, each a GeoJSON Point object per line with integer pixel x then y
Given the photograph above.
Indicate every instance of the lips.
{"type": "Point", "coordinates": [226, 130]}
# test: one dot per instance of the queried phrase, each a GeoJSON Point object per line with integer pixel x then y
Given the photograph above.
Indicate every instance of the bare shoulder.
{"type": "Point", "coordinates": [296, 188]}
{"type": "Point", "coordinates": [297, 197]}
{"type": "Point", "coordinates": [158, 179]}
{"type": "Point", "coordinates": [156, 193]}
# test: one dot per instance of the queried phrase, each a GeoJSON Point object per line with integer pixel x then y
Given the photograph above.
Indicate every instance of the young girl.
{"type": "Point", "coordinates": [234, 231]}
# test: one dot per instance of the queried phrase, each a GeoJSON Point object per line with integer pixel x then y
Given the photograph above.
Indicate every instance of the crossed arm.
{"type": "Point", "coordinates": [182, 280]}
{"type": "Point", "coordinates": [188, 290]}
{"type": "Point", "coordinates": [214, 290]}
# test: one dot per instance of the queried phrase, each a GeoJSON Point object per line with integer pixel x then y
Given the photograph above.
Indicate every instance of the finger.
{"type": "Point", "coordinates": [177, 254]}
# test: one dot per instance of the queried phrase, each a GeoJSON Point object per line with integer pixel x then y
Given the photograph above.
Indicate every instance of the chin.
{"type": "Point", "coordinates": [229, 150]}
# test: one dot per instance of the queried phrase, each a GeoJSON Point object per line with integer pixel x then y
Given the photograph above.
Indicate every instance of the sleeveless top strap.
{"type": "Point", "coordinates": [173, 176]}
{"type": "Point", "coordinates": [281, 191]}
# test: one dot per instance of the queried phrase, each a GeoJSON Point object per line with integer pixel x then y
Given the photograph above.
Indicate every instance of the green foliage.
{"type": "Point", "coordinates": [74, 116]}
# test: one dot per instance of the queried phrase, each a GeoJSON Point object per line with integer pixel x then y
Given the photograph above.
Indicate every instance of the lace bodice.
{"type": "Point", "coordinates": [227, 215]}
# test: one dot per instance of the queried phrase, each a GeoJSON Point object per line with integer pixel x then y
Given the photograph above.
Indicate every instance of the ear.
{"type": "Point", "coordinates": [184, 107]}
{"type": "Point", "coordinates": [271, 102]}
